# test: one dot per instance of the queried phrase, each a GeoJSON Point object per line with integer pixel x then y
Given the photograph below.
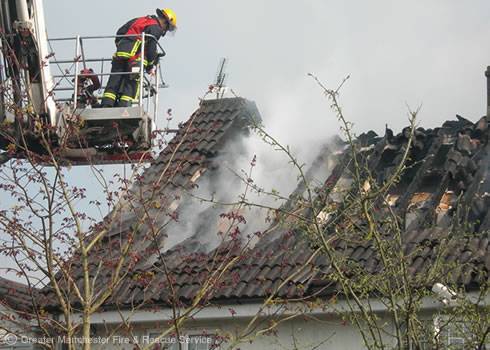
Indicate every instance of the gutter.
{"type": "Point", "coordinates": [234, 311]}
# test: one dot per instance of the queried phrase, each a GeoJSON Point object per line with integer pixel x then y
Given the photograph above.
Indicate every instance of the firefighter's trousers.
{"type": "Point", "coordinates": [122, 89]}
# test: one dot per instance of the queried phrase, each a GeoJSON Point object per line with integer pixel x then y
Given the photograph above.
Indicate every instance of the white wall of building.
{"type": "Point", "coordinates": [327, 332]}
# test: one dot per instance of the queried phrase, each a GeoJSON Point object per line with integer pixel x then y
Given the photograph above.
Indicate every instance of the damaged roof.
{"type": "Point", "coordinates": [448, 168]}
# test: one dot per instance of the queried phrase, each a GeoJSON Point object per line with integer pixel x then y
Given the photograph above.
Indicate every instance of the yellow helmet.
{"type": "Point", "coordinates": [170, 16]}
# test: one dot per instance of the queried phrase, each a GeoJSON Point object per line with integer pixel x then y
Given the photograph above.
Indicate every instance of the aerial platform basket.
{"type": "Point", "coordinates": [89, 134]}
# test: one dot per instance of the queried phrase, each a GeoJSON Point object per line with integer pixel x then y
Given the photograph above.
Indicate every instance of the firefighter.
{"type": "Point", "coordinates": [123, 89]}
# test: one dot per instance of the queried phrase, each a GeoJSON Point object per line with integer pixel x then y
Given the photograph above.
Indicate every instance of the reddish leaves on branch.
{"type": "Point", "coordinates": [234, 216]}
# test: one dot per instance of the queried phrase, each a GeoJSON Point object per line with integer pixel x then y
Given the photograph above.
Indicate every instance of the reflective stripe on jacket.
{"type": "Point", "coordinates": [130, 47]}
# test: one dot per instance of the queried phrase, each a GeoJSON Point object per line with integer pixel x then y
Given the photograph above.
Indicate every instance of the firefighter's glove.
{"type": "Point", "coordinates": [151, 70]}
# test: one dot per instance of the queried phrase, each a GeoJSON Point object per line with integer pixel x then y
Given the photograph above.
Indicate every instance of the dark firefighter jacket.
{"type": "Point", "coordinates": [130, 47]}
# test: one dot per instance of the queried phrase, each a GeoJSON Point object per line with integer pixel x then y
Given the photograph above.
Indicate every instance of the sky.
{"type": "Point", "coordinates": [398, 54]}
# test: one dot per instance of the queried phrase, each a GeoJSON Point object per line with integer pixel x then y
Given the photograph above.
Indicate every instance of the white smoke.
{"type": "Point", "coordinates": [272, 172]}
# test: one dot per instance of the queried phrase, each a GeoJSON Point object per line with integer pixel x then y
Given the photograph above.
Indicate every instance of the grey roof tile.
{"type": "Point", "coordinates": [17, 296]}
